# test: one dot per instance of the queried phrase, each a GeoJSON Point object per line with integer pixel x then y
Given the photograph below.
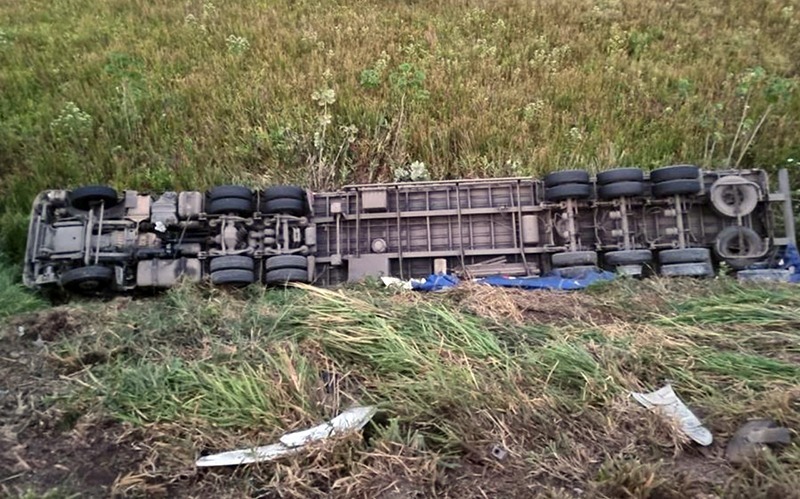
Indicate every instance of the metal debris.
{"type": "Point", "coordinates": [667, 403]}
{"type": "Point", "coordinates": [348, 421]}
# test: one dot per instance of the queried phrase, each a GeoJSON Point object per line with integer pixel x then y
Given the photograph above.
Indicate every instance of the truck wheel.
{"type": "Point", "coordinates": [675, 172]}
{"type": "Point", "coordinates": [87, 279]}
{"type": "Point", "coordinates": [283, 276]}
{"type": "Point", "coordinates": [287, 262]}
{"type": "Point", "coordinates": [673, 187]}
{"type": "Point", "coordinates": [620, 189]}
{"type": "Point", "coordinates": [566, 177]}
{"type": "Point", "coordinates": [628, 257]}
{"type": "Point", "coordinates": [230, 191]}
{"type": "Point", "coordinates": [232, 262]}
{"type": "Point", "coordinates": [285, 199]}
{"type": "Point", "coordinates": [573, 258]}
{"type": "Point", "coordinates": [620, 175]}
{"type": "Point", "coordinates": [733, 196]}
{"type": "Point", "coordinates": [284, 206]}
{"type": "Point", "coordinates": [83, 198]}
{"type": "Point", "coordinates": [233, 277]}
{"type": "Point", "coordinates": [566, 191]}
{"type": "Point", "coordinates": [687, 270]}
{"type": "Point", "coordinates": [223, 206]}
{"type": "Point", "coordinates": [687, 255]}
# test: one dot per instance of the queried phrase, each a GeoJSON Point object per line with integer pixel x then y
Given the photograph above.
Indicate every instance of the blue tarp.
{"type": "Point", "coordinates": [553, 280]}
{"type": "Point", "coordinates": [791, 258]}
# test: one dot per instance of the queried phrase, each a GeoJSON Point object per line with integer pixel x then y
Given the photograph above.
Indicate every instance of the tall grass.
{"type": "Point", "coordinates": [184, 95]}
{"type": "Point", "coordinates": [14, 298]}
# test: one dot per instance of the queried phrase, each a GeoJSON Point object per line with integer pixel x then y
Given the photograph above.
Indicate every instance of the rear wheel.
{"type": "Point", "coordinates": [566, 177]}
{"type": "Point", "coordinates": [676, 172]}
{"type": "Point", "coordinates": [574, 258]}
{"type": "Point", "coordinates": [284, 199]}
{"type": "Point", "coordinates": [686, 255]}
{"type": "Point", "coordinates": [626, 189]}
{"type": "Point", "coordinates": [87, 279]}
{"type": "Point", "coordinates": [284, 276]}
{"type": "Point", "coordinates": [628, 257]}
{"type": "Point", "coordinates": [233, 277]}
{"type": "Point", "coordinates": [675, 187]}
{"type": "Point", "coordinates": [287, 262]}
{"type": "Point", "coordinates": [576, 272]}
{"type": "Point", "coordinates": [687, 270]}
{"type": "Point", "coordinates": [230, 262]}
{"type": "Point", "coordinates": [83, 198]}
{"type": "Point", "coordinates": [620, 175]}
{"type": "Point", "coordinates": [567, 191]}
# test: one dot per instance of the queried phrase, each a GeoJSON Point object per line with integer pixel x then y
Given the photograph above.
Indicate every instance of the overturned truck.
{"type": "Point", "coordinates": [674, 221]}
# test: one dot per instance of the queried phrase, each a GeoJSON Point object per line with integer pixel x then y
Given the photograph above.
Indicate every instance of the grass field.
{"type": "Point", "coordinates": [184, 95]}
{"type": "Point", "coordinates": [147, 385]}
{"type": "Point", "coordinates": [145, 94]}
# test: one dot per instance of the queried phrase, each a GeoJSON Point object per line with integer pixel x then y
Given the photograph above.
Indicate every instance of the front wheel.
{"type": "Point", "coordinates": [87, 279]}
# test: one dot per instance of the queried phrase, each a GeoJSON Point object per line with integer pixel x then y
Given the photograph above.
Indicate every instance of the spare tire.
{"type": "Point", "coordinates": [620, 175]}
{"type": "Point", "coordinates": [675, 172]}
{"type": "Point", "coordinates": [84, 197]}
{"type": "Point", "coordinates": [739, 242]}
{"type": "Point", "coordinates": [566, 177]}
{"type": "Point", "coordinates": [734, 196]}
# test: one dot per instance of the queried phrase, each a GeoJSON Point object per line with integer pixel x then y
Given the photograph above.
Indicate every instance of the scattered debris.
{"type": "Point", "coordinates": [754, 437]}
{"type": "Point", "coordinates": [348, 421]}
{"type": "Point", "coordinates": [667, 403]}
{"type": "Point", "coordinates": [499, 452]}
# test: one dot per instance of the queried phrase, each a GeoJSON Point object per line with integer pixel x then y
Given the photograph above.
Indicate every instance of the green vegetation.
{"type": "Point", "coordinates": [189, 94]}
{"type": "Point", "coordinates": [452, 375]}
{"type": "Point", "coordinates": [14, 298]}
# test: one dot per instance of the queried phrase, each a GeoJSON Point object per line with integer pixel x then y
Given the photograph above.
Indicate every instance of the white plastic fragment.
{"type": "Point", "coordinates": [667, 403]}
{"type": "Point", "coordinates": [348, 421]}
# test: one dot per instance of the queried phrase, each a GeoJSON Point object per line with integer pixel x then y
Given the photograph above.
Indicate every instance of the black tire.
{"type": "Point", "coordinates": [231, 262]}
{"type": "Point", "coordinates": [287, 262]}
{"type": "Point", "coordinates": [673, 187]}
{"type": "Point", "coordinates": [620, 175]}
{"type": "Point", "coordinates": [702, 269]}
{"type": "Point", "coordinates": [620, 189]}
{"type": "Point", "coordinates": [574, 258]}
{"type": "Point", "coordinates": [676, 172]}
{"type": "Point", "coordinates": [628, 257]}
{"type": "Point", "coordinates": [566, 177]}
{"type": "Point", "coordinates": [283, 191]}
{"type": "Point", "coordinates": [84, 197]}
{"type": "Point", "coordinates": [686, 255]}
{"type": "Point", "coordinates": [283, 276]}
{"type": "Point", "coordinates": [733, 199]}
{"type": "Point", "coordinates": [87, 279]}
{"type": "Point", "coordinates": [284, 206]}
{"type": "Point", "coordinates": [223, 206]}
{"type": "Point", "coordinates": [230, 191]}
{"type": "Point", "coordinates": [233, 277]}
{"type": "Point", "coordinates": [739, 242]}
{"type": "Point", "coordinates": [567, 191]}
{"type": "Point", "coordinates": [576, 272]}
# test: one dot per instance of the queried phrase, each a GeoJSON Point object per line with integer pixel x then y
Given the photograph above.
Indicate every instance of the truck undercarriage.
{"type": "Point", "coordinates": [674, 221]}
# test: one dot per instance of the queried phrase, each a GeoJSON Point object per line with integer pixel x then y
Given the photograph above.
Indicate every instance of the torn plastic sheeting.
{"type": "Point", "coordinates": [666, 401]}
{"type": "Point", "coordinates": [791, 260]}
{"type": "Point", "coordinates": [348, 421]}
